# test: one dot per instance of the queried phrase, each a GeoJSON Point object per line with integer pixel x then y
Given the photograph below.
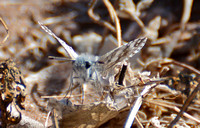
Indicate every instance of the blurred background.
{"type": "Point", "coordinates": [171, 26]}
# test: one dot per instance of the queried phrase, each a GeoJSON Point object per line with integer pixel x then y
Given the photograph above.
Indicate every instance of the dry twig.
{"type": "Point", "coordinates": [97, 18]}
{"type": "Point", "coordinates": [137, 105]}
{"type": "Point", "coordinates": [7, 31]}
{"type": "Point", "coordinates": [114, 18]}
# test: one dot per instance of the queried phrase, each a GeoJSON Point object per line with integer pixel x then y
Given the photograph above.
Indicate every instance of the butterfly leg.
{"type": "Point", "coordinates": [83, 89]}
{"type": "Point", "coordinates": [71, 87]}
{"type": "Point", "coordinates": [99, 86]}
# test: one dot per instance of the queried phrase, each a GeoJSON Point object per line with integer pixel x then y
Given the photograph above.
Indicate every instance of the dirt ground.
{"type": "Point", "coordinates": [169, 62]}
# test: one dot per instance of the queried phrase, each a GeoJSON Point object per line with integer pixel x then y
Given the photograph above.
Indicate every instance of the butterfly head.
{"type": "Point", "coordinates": [84, 67]}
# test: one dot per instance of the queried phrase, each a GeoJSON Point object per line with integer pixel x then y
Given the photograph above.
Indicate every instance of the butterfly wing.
{"type": "Point", "coordinates": [72, 54]}
{"type": "Point", "coordinates": [122, 53]}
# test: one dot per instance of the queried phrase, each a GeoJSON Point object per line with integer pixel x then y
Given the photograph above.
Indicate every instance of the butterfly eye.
{"type": "Point", "coordinates": [87, 64]}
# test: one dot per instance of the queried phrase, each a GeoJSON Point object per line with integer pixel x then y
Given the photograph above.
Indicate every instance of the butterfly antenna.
{"type": "Point", "coordinates": [59, 58]}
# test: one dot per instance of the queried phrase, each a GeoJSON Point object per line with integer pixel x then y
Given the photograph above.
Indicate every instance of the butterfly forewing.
{"type": "Point", "coordinates": [122, 53]}
{"type": "Point", "coordinates": [72, 54]}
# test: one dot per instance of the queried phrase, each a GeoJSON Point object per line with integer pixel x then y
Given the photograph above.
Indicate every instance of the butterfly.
{"type": "Point", "coordinates": [92, 69]}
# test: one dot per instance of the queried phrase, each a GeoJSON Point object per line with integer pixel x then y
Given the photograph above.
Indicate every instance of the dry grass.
{"type": "Point", "coordinates": [171, 56]}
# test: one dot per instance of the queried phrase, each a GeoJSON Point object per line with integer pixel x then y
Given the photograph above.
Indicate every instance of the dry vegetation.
{"type": "Point", "coordinates": [167, 68]}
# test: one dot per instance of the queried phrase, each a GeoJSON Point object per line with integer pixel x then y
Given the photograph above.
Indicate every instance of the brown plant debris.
{"type": "Point", "coordinates": [12, 93]}
{"type": "Point", "coordinates": [167, 66]}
